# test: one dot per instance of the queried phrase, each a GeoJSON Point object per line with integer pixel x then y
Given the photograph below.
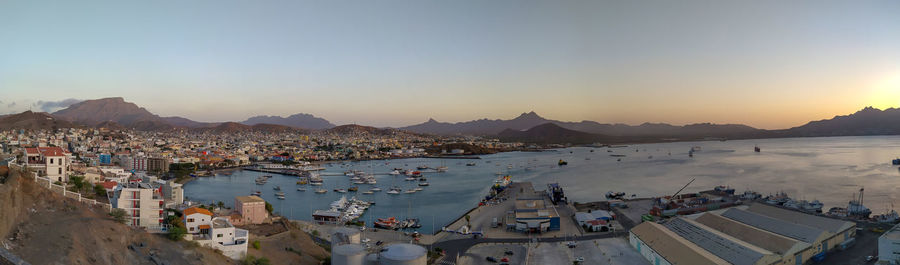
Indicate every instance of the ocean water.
{"type": "Point", "coordinates": [829, 169]}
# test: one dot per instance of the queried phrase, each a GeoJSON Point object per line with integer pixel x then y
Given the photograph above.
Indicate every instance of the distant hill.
{"type": "Point", "coordinates": [300, 120]}
{"type": "Point", "coordinates": [549, 133]}
{"type": "Point", "coordinates": [531, 119]}
{"type": "Point", "coordinates": [868, 121]}
{"type": "Point", "coordinates": [29, 120]}
{"type": "Point", "coordinates": [234, 127]}
{"type": "Point", "coordinates": [185, 122]}
{"type": "Point", "coordinates": [93, 112]}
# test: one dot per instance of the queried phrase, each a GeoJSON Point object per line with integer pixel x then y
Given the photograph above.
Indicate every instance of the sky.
{"type": "Point", "coordinates": [768, 64]}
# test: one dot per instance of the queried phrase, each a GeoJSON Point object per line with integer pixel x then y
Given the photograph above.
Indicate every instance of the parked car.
{"type": "Point", "coordinates": [508, 252]}
{"type": "Point", "coordinates": [491, 259]}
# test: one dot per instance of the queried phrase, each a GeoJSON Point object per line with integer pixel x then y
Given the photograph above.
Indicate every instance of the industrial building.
{"type": "Point", "coordinates": [531, 215]}
{"type": "Point", "coordinates": [889, 246]}
{"type": "Point", "coordinates": [743, 235]}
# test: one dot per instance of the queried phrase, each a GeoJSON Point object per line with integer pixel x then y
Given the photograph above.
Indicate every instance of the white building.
{"type": "Point", "coordinates": [215, 232]}
{"type": "Point", "coordinates": [143, 204]}
{"type": "Point", "coordinates": [51, 162]}
{"type": "Point", "coordinates": [889, 246]}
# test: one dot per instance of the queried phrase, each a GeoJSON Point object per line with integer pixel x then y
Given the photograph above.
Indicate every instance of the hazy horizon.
{"type": "Point", "coordinates": [766, 64]}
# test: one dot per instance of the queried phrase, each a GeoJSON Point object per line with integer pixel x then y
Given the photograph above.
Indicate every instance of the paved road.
{"type": "Point", "coordinates": [460, 246]}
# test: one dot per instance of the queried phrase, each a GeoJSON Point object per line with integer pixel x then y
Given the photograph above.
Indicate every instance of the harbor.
{"type": "Point", "coordinates": [732, 163]}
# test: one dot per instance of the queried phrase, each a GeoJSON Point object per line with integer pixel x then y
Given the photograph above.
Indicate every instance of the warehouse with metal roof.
{"type": "Point", "coordinates": [744, 235]}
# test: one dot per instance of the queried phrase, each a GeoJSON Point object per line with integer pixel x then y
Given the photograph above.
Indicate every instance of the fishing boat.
{"type": "Point", "coordinates": [340, 190]}
{"type": "Point", "coordinates": [353, 189]}
{"type": "Point", "coordinates": [778, 199]}
{"type": "Point", "coordinates": [750, 195]}
{"type": "Point", "coordinates": [321, 191]}
{"type": "Point", "coordinates": [615, 195]}
{"type": "Point", "coordinates": [302, 182]}
{"type": "Point", "coordinates": [423, 183]}
{"type": "Point", "coordinates": [562, 162]}
{"type": "Point", "coordinates": [470, 164]}
{"type": "Point", "coordinates": [301, 189]}
{"type": "Point", "coordinates": [890, 217]}
{"type": "Point", "coordinates": [724, 189]}
{"type": "Point", "coordinates": [388, 223]}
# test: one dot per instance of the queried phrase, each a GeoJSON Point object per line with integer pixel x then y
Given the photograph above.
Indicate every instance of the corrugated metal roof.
{"type": "Point", "coordinates": [731, 251]}
{"type": "Point", "coordinates": [800, 232]}
{"type": "Point", "coordinates": [673, 248]}
{"type": "Point", "coordinates": [764, 239]}
{"type": "Point", "coordinates": [824, 223]}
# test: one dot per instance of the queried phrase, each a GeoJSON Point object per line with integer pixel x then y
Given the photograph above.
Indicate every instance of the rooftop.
{"type": "Point", "coordinates": [725, 247]}
{"type": "Point", "coordinates": [675, 249]}
{"type": "Point", "coordinates": [193, 210]}
{"type": "Point", "coordinates": [248, 199]}
{"type": "Point", "coordinates": [824, 223]}
{"type": "Point", "coordinates": [796, 231]}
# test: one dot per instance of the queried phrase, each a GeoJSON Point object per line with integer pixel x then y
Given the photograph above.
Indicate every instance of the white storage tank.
{"type": "Point", "coordinates": [348, 254]}
{"type": "Point", "coordinates": [345, 235]}
{"type": "Point", "coordinates": [371, 259]}
{"type": "Point", "coordinates": [404, 254]}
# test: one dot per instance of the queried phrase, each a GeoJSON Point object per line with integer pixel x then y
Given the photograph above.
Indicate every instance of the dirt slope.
{"type": "Point", "coordinates": [42, 227]}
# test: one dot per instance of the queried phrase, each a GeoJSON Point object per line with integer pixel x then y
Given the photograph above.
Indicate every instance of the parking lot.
{"type": "Point", "coordinates": [600, 252]}
{"type": "Point", "coordinates": [478, 254]}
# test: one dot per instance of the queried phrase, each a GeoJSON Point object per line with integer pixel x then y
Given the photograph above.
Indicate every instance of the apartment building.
{"type": "Point", "coordinates": [50, 162]}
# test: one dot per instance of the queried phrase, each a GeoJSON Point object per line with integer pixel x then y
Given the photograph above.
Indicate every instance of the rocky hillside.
{"type": "Point", "coordinates": [93, 112]}
{"type": "Point", "coordinates": [42, 227]}
{"type": "Point", "coordinates": [550, 133]}
{"type": "Point", "coordinates": [33, 121]}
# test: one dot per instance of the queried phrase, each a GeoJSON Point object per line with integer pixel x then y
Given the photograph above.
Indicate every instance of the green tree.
{"type": "Point", "coordinates": [77, 182]}
{"type": "Point", "coordinates": [269, 207]}
{"type": "Point", "coordinates": [176, 233]}
{"type": "Point", "coordinates": [256, 244]}
{"type": "Point", "coordinates": [118, 215]}
{"type": "Point", "coordinates": [100, 190]}
{"type": "Point", "coordinates": [251, 260]}
{"type": "Point", "coordinates": [221, 204]}
{"type": "Point", "coordinates": [467, 219]}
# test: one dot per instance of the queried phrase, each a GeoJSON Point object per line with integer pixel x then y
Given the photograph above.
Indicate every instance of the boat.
{"type": "Point", "coordinates": [376, 189]}
{"type": "Point", "coordinates": [756, 149]}
{"type": "Point", "coordinates": [423, 183]}
{"type": "Point", "coordinates": [562, 162]}
{"type": "Point", "coordinates": [617, 155]}
{"type": "Point", "coordinates": [410, 179]}
{"type": "Point", "coordinates": [369, 192]}
{"type": "Point", "coordinates": [301, 189]}
{"type": "Point", "coordinates": [410, 223]}
{"type": "Point", "coordinates": [615, 195]}
{"type": "Point", "coordinates": [750, 195]}
{"type": "Point", "coordinates": [778, 199]}
{"type": "Point", "coordinates": [409, 191]}
{"type": "Point", "coordinates": [696, 149]}
{"type": "Point", "coordinates": [423, 179]}
{"type": "Point", "coordinates": [302, 182]}
{"type": "Point", "coordinates": [442, 169]}
{"type": "Point", "coordinates": [418, 189]}
{"type": "Point", "coordinates": [423, 167]}
{"type": "Point", "coordinates": [394, 190]}
{"type": "Point", "coordinates": [277, 188]}
{"type": "Point", "coordinates": [279, 193]}
{"type": "Point", "coordinates": [724, 189]}
{"type": "Point", "coordinates": [837, 212]}
{"type": "Point", "coordinates": [340, 190]}
{"type": "Point", "coordinates": [890, 217]}
{"type": "Point", "coordinates": [316, 183]}
{"type": "Point", "coordinates": [896, 161]}
{"type": "Point", "coordinates": [395, 172]}
{"type": "Point", "coordinates": [256, 193]}
{"type": "Point", "coordinates": [281, 197]}
{"type": "Point", "coordinates": [470, 164]}
{"type": "Point", "coordinates": [388, 223]}
{"type": "Point", "coordinates": [353, 189]}
{"type": "Point", "coordinates": [321, 191]}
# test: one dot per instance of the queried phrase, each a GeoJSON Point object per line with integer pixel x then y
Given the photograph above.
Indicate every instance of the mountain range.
{"type": "Point", "coordinates": [527, 127]}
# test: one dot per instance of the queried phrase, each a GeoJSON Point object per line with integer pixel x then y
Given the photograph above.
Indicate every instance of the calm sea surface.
{"type": "Point", "coordinates": [828, 169]}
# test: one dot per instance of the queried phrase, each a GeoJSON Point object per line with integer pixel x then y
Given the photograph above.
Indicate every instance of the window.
{"type": "Point", "coordinates": [190, 220]}
{"type": "Point", "coordinates": [60, 171]}
{"type": "Point", "coordinates": [51, 161]}
{"type": "Point", "coordinates": [192, 229]}
{"type": "Point", "coordinates": [60, 162]}
{"type": "Point", "coordinates": [219, 235]}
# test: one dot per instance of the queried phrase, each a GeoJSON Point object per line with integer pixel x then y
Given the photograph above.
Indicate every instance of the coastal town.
{"type": "Point", "coordinates": [138, 178]}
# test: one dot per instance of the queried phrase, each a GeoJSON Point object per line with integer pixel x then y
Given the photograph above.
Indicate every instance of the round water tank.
{"type": "Point", "coordinates": [348, 254]}
{"type": "Point", "coordinates": [404, 254]}
{"type": "Point", "coordinates": [345, 235]}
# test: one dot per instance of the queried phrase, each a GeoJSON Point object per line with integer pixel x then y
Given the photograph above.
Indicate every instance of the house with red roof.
{"type": "Point", "coordinates": [50, 162]}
